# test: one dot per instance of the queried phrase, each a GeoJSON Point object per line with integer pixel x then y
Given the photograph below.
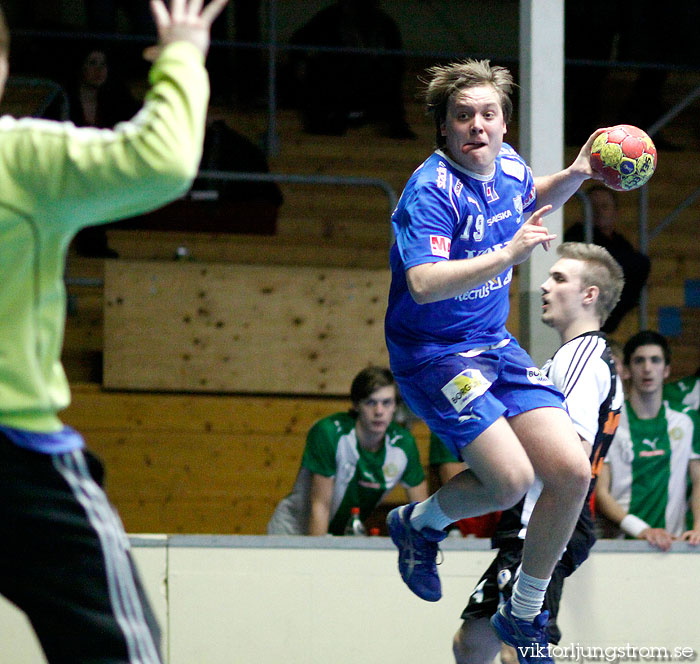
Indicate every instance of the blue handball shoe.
{"type": "Point", "coordinates": [418, 551]}
{"type": "Point", "coordinates": [528, 638]}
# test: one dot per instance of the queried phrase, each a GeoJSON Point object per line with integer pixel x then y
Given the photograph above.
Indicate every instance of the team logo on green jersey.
{"type": "Point", "coordinates": [390, 470]}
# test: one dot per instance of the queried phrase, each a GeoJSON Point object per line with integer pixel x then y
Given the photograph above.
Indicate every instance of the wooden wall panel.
{"type": "Point", "coordinates": [216, 327]}
{"type": "Point", "coordinates": [200, 463]}
{"type": "Point", "coordinates": [97, 410]}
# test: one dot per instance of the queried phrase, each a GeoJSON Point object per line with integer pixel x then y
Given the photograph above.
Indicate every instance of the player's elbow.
{"type": "Point", "coordinates": [420, 296]}
{"type": "Point", "coordinates": [419, 285]}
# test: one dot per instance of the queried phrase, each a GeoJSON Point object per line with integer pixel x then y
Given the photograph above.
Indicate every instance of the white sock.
{"type": "Point", "coordinates": [429, 513]}
{"type": "Point", "coordinates": [528, 596]}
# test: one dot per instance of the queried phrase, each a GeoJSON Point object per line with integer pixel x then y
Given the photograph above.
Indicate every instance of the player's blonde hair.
{"type": "Point", "coordinates": [444, 80]}
{"type": "Point", "coordinates": [601, 270]}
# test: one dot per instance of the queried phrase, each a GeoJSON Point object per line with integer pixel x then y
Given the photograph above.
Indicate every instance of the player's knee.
{"type": "Point", "coordinates": [584, 475]}
{"type": "Point", "coordinates": [513, 485]}
{"type": "Point", "coordinates": [580, 474]}
{"type": "Point", "coordinates": [573, 476]}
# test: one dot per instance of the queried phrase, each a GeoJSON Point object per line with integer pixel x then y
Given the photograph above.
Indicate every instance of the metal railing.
{"type": "Point", "coordinates": [297, 178]}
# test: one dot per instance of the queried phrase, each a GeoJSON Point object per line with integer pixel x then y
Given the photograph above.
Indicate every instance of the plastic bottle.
{"type": "Point", "coordinates": [354, 525]}
{"type": "Point", "coordinates": [182, 253]}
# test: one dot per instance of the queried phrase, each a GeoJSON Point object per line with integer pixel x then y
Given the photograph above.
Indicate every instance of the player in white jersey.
{"type": "Point", "coordinates": [467, 215]}
{"type": "Point", "coordinates": [64, 556]}
{"type": "Point", "coordinates": [583, 287]}
{"type": "Point", "coordinates": [643, 483]}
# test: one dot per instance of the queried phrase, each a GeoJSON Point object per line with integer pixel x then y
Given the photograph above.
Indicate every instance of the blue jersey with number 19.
{"type": "Point", "coordinates": [447, 212]}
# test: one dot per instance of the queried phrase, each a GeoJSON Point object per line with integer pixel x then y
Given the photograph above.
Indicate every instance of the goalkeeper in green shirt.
{"type": "Point", "coordinates": [64, 557]}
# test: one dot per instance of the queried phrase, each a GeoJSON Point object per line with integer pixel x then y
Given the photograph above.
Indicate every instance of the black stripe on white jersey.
{"type": "Point", "coordinates": [585, 350]}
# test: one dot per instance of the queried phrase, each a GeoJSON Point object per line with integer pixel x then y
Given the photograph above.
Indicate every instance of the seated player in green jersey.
{"type": "Point", "coordinates": [642, 490]}
{"type": "Point", "coordinates": [351, 459]}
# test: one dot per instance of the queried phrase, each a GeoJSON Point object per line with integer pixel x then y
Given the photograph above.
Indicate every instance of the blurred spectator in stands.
{"type": "Point", "coordinates": [635, 265]}
{"type": "Point", "coordinates": [339, 90]}
{"type": "Point", "coordinates": [242, 206]}
{"type": "Point", "coordinates": [96, 97]}
{"type": "Point", "coordinates": [352, 459]}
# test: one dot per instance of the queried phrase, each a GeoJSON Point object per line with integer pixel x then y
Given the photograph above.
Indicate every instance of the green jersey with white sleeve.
{"type": "Point", "coordinates": [685, 391]}
{"type": "Point", "coordinates": [648, 461]}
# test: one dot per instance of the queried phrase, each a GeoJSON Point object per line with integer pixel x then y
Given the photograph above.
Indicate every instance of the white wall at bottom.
{"type": "Point", "coordinates": [254, 600]}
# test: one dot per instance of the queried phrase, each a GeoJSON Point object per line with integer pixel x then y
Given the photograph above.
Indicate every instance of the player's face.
{"type": "Point", "coordinates": [376, 411]}
{"type": "Point", "coordinates": [95, 69]}
{"type": "Point", "coordinates": [647, 369]}
{"type": "Point", "coordinates": [474, 128]}
{"type": "Point", "coordinates": [563, 294]}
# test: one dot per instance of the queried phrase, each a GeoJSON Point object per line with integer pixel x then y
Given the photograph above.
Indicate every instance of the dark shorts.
{"type": "Point", "coordinates": [65, 560]}
{"type": "Point", "coordinates": [460, 396]}
{"type": "Point", "coordinates": [496, 584]}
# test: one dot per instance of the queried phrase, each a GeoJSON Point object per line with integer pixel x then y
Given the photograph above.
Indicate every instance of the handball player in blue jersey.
{"type": "Point", "coordinates": [467, 215]}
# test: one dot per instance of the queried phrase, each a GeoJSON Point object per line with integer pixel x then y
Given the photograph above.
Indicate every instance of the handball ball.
{"type": "Point", "coordinates": [625, 156]}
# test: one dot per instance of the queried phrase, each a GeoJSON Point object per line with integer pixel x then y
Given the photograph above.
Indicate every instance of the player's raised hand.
{"type": "Point", "coordinates": [185, 21]}
{"type": "Point", "coordinates": [530, 235]}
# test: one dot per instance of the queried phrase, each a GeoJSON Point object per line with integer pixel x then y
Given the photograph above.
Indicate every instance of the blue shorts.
{"type": "Point", "coordinates": [460, 396]}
